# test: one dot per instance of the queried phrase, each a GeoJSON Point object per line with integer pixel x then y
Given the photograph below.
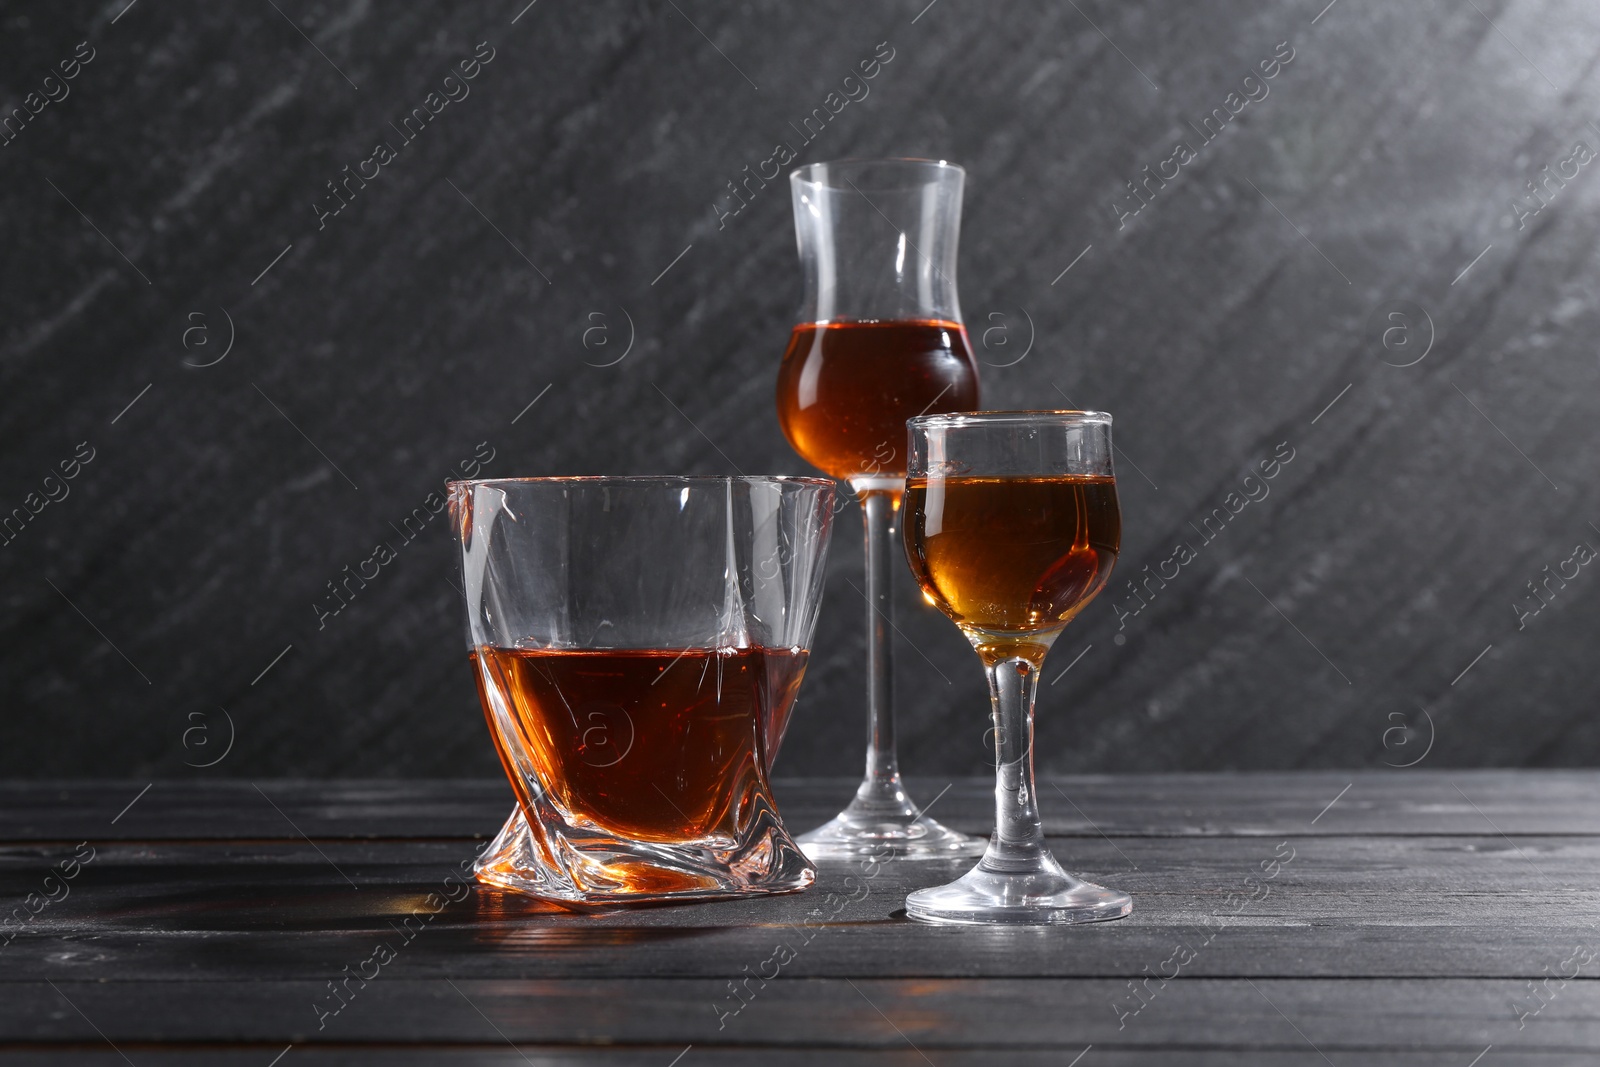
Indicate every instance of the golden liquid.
{"type": "Point", "coordinates": [1012, 555]}
{"type": "Point", "coordinates": [653, 745]}
{"type": "Point", "coordinates": [846, 389]}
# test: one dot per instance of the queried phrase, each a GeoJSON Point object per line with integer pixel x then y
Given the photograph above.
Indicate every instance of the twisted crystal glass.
{"type": "Point", "coordinates": [638, 644]}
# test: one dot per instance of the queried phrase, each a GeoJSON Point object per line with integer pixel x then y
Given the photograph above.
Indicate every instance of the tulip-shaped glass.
{"type": "Point", "coordinates": [878, 339]}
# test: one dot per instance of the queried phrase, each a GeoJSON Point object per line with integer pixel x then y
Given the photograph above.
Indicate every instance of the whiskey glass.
{"type": "Point", "coordinates": [878, 339]}
{"type": "Point", "coordinates": [637, 645]}
{"type": "Point", "coordinates": [1012, 527]}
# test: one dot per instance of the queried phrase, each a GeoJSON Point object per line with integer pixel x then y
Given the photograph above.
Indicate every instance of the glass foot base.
{"type": "Point", "coordinates": [580, 868]}
{"type": "Point", "coordinates": [985, 896]}
{"type": "Point", "coordinates": [887, 827]}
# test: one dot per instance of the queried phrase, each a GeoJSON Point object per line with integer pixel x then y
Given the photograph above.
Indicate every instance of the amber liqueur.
{"type": "Point", "coordinates": [649, 744]}
{"type": "Point", "coordinates": [846, 389]}
{"type": "Point", "coordinates": [1012, 555]}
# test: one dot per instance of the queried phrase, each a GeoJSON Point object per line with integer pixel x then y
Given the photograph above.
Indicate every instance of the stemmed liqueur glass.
{"type": "Point", "coordinates": [1012, 526]}
{"type": "Point", "coordinates": [878, 339]}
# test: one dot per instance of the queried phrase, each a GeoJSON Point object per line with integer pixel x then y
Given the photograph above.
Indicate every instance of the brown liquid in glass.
{"type": "Point", "coordinates": [654, 745]}
{"type": "Point", "coordinates": [1012, 555]}
{"type": "Point", "coordinates": [846, 389]}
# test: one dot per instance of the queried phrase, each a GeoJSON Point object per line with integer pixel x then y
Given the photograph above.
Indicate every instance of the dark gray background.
{"type": "Point", "coordinates": [1329, 625]}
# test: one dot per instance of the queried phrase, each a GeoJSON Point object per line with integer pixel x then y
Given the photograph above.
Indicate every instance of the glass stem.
{"type": "Point", "coordinates": [1018, 842]}
{"type": "Point", "coordinates": [879, 507]}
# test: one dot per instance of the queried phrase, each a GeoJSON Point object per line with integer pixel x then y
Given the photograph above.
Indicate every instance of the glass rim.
{"type": "Point", "coordinates": [646, 480]}
{"type": "Point", "coordinates": [803, 172]}
{"type": "Point", "coordinates": [985, 418]}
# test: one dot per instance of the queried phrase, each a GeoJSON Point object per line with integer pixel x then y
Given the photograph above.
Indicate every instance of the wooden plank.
{"type": "Point", "coordinates": [845, 950]}
{"type": "Point", "coordinates": [1358, 907]}
{"type": "Point", "coordinates": [1415, 801]}
{"type": "Point", "coordinates": [528, 1055]}
{"type": "Point", "coordinates": [222, 809]}
{"type": "Point", "coordinates": [1337, 1017]}
{"type": "Point", "coordinates": [1308, 877]}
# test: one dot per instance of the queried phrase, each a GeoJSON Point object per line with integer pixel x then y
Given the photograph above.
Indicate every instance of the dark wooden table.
{"type": "Point", "coordinates": [1408, 917]}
